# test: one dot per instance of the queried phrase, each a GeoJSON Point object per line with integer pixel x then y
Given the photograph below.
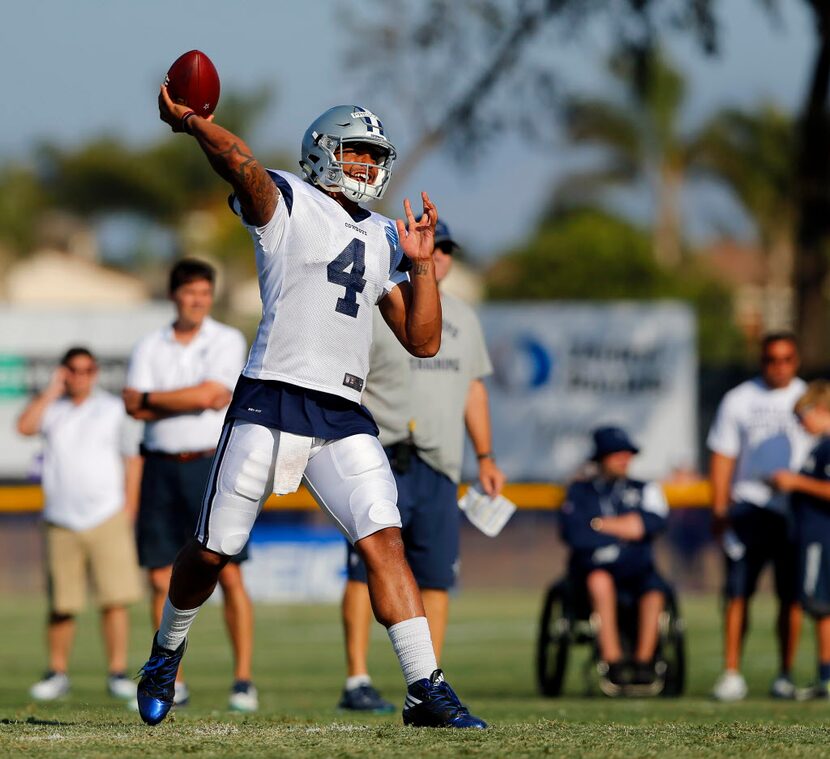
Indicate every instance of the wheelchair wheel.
{"type": "Point", "coordinates": [553, 643]}
{"type": "Point", "coordinates": [673, 648]}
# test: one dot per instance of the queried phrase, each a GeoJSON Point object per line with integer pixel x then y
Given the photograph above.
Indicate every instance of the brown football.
{"type": "Point", "coordinates": [192, 80]}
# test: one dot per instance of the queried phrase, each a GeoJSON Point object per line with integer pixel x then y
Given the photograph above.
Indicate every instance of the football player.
{"type": "Point", "coordinates": [810, 502]}
{"type": "Point", "coordinates": [324, 263]}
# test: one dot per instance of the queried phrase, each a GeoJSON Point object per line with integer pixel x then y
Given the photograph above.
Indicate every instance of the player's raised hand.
{"type": "Point", "coordinates": [417, 236]}
{"type": "Point", "coordinates": [171, 113]}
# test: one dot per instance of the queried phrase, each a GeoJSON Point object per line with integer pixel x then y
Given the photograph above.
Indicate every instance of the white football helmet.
{"type": "Point", "coordinates": [322, 152]}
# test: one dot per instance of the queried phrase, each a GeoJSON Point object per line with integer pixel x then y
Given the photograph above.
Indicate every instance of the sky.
{"type": "Point", "coordinates": [74, 69]}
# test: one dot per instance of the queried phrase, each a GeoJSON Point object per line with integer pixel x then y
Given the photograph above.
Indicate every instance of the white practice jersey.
{"type": "Point", "coordinates": [321, 272]}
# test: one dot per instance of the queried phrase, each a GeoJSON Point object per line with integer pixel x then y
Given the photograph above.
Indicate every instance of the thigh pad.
{"type": "Point", "coordinates": [352, 481]}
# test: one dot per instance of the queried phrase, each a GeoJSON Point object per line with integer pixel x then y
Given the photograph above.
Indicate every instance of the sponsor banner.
{"type": "Point", "coordinates": [291, 563]}
{"type": "Point", "coordinates": [562, 369]}
{"type": "Point", "coordinates": [32, 341]}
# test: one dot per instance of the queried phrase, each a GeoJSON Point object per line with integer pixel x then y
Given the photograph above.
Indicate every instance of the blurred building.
{"type": "Point", "coordinates": [55, 279]}
{"type": "Point", "coordinates": [64, 271]}
{"type": "Point", "coordinates": [761, 304]}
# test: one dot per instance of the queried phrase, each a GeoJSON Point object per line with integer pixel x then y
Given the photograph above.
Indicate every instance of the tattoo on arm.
{"type": "Point", "coordinates": [234, 164]}
{"type": "Point", "coordinates": [238, 163]}
{"type": "Point", "coordinates": [420, 269]}
{"type": "Point", "coordinates": [257, 196]}
{"type": "Point", "coordinates": [233, 160]}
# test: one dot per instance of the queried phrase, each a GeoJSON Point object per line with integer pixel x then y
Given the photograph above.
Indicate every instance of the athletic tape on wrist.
{"type": "Point", "coordinates": [185, 118]}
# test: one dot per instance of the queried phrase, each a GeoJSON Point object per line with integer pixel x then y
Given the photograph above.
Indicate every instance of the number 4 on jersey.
{"type": "Point", "coordinates": [354, 255]}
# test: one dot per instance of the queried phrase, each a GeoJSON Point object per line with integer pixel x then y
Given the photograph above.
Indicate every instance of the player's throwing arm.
{"type": "Point", "coordinates": [229, 156]}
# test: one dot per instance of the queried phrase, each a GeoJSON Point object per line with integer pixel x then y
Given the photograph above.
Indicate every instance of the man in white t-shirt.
{"type": "Point", "coordinates": [91, 470]}
{"type": "Point", "coordinates": [179, 382]}
{"type": "Point", "coordinates": [754, 435]}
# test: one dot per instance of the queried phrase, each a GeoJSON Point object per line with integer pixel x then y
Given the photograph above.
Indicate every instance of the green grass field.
{"type": "Point", "coordinates": [488, 658]}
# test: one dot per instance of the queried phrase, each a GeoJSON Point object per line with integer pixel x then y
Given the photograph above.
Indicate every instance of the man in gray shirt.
{"type": "Point", "coordinates": [422, 407]}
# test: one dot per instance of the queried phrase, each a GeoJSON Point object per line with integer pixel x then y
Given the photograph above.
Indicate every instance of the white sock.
{"type": "Point", "coordinates": [413, 647]}
{"type": "Point", "coordinates": [355, 681]}
{"type": "Point", "coordinates": [175, 624]}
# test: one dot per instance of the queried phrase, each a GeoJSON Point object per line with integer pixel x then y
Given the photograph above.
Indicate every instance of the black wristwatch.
{"type": "Point", "coordinates": [487, 455]}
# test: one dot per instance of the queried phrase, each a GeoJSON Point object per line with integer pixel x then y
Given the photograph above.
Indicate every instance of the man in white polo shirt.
{"type": "Point", "coordinates": [754, 435]}
{"type": "Point", "coordinates": [180, 382]}
{"type": "Point", "coordinates": [91, 470]}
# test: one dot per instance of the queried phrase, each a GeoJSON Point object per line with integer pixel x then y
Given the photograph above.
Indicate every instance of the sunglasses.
{"type": "Point", "coordinates": [767, 360]}
{"type": "Point", "coordinates": [81, 372]}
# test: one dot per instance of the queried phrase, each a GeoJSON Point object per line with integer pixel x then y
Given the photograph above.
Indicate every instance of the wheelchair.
{"type": "Point", "coordinates": [567, 622]}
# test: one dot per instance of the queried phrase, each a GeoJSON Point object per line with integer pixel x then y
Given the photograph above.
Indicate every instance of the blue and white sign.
{"type": "Point", "coordinates": [561, 369]}
{"type": "Point", "coordinates": [295, 563]}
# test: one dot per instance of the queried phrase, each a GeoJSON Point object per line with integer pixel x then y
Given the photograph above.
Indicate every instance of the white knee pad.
{"type": "Point", "coordinates": [374, 507]}
{"type": "Point", "coordinates": [240, 483]}
{"type": "Point", "coordinates": [352, 481]}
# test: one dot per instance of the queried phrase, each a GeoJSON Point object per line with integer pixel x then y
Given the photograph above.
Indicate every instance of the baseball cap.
{"type": "Point", "coordinates": [443, 236]}
{"type": "Point", "coordinates": [608, 440]}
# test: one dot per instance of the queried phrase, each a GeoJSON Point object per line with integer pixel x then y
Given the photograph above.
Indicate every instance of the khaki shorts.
{"type": "Point", "coordinates": [105, 553]}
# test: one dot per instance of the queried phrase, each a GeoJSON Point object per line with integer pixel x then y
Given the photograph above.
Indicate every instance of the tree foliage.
{"type": "Point", "coordinates": [162, 183]}
{"type": "Point", "coordinates": [752, 152]}
{"type": "Point", "coordinates": [22, 201]}
{"type": "Point", "coordinates": [479, 57]}
{"type": "Point", "coordinates": [591, 254]}
{"type": "Point", "coordinates": [490, 66]}
{"type": "Point", "coordinates": [639, 132]}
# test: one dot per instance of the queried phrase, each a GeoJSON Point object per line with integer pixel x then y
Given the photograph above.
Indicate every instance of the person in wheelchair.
{"type": "Point", "coordinates": [609, 521]}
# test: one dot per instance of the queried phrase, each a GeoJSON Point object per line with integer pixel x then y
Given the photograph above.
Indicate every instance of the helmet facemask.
{"type": "Point", "coordinates": [328, 171]}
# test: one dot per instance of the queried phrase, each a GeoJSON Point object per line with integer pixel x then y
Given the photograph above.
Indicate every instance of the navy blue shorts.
{"type": "Point", "coordinates": [767, 538]}
{"type": "Point", "coordinates": [428, 503]}
{"type": "Point", "coordinates": [814, 563]}
{"type": "Point", "coordinates": [630, 582]}
{"type": "Point", "coordinates": [298, 410]}
{"type": "Point", "coordinates": [171, 501]}
{"type": "Point", "coordinates": [631, 589]}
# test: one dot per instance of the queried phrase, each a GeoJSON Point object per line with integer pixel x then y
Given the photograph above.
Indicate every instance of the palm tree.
{"type": "Point", "coordinates": [640, 135]}
{"type": "Point", "coordinates": [753, 154]}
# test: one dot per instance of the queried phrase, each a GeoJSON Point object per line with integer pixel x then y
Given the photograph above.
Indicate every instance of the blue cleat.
{"type": "Point", "coordinates": [433, 703]}
{"type": "Point", "coordinates": [156, 689]}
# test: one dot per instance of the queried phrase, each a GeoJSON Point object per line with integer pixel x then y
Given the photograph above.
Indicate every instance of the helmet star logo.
{"type": "Point", "coordinates": [206, 107]}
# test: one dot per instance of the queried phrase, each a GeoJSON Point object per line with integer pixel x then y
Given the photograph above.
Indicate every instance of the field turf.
{"type": "Point", "coordinates": [488, 659]}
